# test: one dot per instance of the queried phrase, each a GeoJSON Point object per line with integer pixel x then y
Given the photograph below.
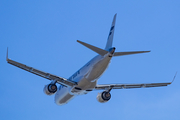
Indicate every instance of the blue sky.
{"type": "Point", "coordinates": [43, 34]}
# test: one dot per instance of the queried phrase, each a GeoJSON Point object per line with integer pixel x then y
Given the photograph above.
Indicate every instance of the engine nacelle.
{"type": "Point", "coordinates": [50, 89]}
{"type": "Point", "coordinates": [103, 97]}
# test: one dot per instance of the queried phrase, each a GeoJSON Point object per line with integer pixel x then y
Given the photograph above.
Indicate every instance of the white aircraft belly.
{"type": "Point", "coordinates": [85, 84]}
{"type": "Point", "coordinates": [98, 69]}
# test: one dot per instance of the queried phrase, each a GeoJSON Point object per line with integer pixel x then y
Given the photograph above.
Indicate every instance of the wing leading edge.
{"type": "Point", "coordinates": [46, 75]}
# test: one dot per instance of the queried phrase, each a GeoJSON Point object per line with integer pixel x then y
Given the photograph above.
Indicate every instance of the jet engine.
{"type": "Point", "coordinates": [50, 89]}
{"type": "Point", "coordinates": [103, 97]}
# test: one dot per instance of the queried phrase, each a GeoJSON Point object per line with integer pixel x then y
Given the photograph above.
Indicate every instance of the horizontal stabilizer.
{"type": "Point", "coordinates": [95, 49]}
{"type": "Point", "coordinates": [129, 53]}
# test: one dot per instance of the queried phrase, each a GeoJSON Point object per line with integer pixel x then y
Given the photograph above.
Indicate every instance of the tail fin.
{"type": "Point", "coordinates": [111, 34]}
{"type": "Point", "coordinates": [109, 47]}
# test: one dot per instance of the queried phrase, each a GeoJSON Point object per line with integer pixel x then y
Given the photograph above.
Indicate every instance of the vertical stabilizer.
{"type": "Point", "coordinates": [111, 34]}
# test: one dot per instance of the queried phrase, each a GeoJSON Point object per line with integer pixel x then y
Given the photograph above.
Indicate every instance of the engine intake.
{"type": "Point", "coordinates": [103, 97]}
{"type": "Point", "coordinates": [50, 89]}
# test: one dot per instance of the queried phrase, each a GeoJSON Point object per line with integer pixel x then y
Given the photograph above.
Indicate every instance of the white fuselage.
{"type": "Point", "coordinates": [86, 79]}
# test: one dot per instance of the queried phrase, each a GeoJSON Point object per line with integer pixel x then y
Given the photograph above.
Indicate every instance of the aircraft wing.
{"type": "Point", "coordinates": [46, 75]}
{"type": "Point", "coordinates": [128, 86]}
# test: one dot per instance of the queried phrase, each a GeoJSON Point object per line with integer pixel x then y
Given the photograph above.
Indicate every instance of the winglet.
{"type": "Point", "coordinates": [174, 78]}
{"type": "Point", "coordinates": [7, 55]}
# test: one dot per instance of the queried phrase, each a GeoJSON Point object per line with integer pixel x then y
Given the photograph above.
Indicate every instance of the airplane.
{"type": "Point", "coordinates": [85, 79]}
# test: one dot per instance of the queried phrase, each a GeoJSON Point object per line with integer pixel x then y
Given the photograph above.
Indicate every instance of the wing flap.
{"type": "Point", "coordinates": [40, 73]}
